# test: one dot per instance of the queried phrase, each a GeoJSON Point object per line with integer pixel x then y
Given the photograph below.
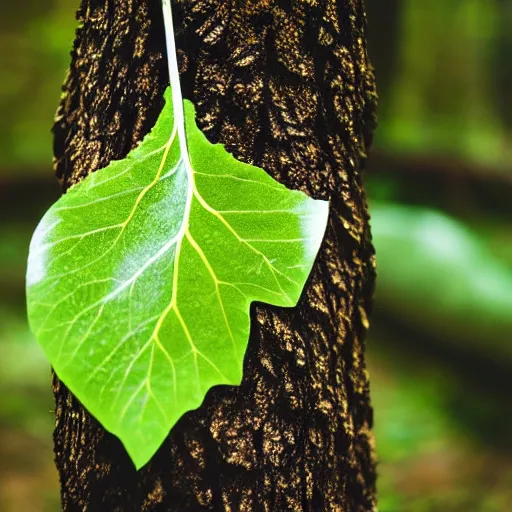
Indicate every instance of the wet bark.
{"type": "Point", "coordinates": [285, 85]}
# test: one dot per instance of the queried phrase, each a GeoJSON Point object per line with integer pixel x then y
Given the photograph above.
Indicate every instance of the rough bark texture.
{"type": "Point", "coordinates": [285, 85]}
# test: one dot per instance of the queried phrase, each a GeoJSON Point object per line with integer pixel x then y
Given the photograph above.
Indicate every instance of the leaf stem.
{"type": "Point", "coordinates": [174, 76]}
{"type": "Point", "coordinates": [178, 111]}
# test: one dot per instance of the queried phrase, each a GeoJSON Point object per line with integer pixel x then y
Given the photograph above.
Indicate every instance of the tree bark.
{"type": "Point", "coordinates": [285, 85]}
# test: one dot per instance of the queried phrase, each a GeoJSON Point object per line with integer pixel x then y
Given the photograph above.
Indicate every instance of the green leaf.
{"type": "Point", "coordinates": [140, 278]}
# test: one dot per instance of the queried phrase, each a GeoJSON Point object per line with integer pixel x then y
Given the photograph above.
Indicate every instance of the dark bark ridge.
{"type": "Point", "coordinates": [285, 85]}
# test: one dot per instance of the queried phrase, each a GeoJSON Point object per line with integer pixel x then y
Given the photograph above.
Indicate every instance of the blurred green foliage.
{"type": "Point", "coordinates": [445, 86]}
{"type": "Point", "coordinates": [431, 264]}
{"type": "Point", "coordinates": [35, 40]}
{"type": "Point", "coordinates": [439, 183]}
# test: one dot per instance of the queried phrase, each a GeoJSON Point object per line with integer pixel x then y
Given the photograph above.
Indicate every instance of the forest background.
{"type": "Point", "coordinates": [439, 182]}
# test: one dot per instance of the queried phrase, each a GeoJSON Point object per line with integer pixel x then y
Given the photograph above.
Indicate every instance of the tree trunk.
{"type": "Point", "coordinates": [285, 85]}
